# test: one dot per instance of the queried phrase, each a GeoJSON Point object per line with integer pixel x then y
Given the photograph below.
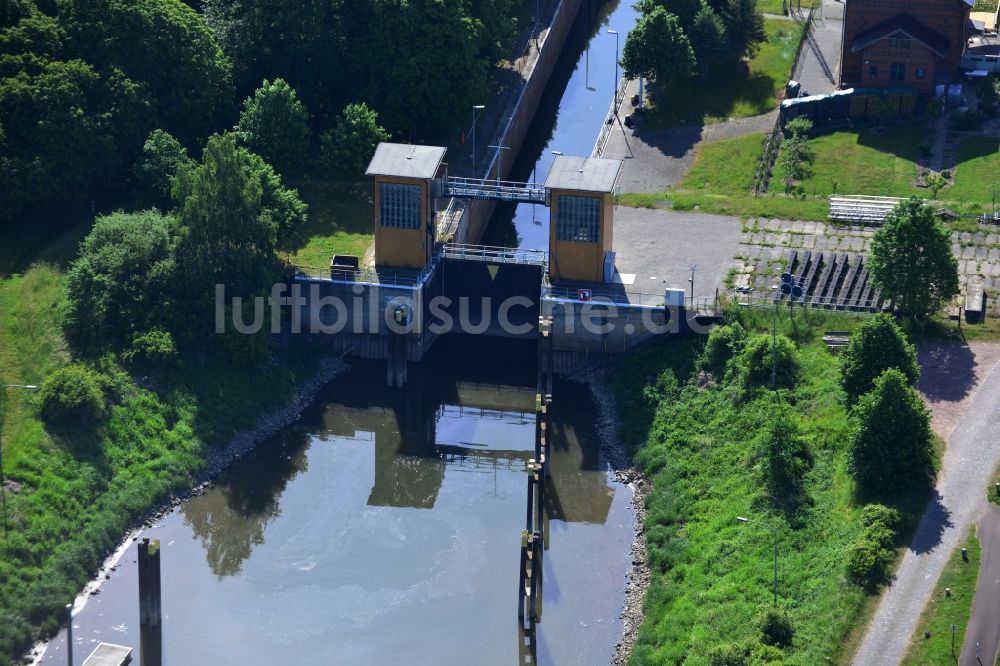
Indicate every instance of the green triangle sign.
{"type": "Point", "coordinates": [493, 271]}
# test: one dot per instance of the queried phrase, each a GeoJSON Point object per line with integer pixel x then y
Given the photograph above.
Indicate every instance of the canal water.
{"type": "Point", "coordinates": [384, 528]}
{"type": "Point", "coordinates": [570, 116]}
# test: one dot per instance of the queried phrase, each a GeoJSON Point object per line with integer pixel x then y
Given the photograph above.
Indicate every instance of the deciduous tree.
{"type": "Point", "coordinates": [275, 125]}
{"type": "Point", "coordinates": [890, 449]}
{"type": "Point", "coordinates": [657, 48]}
{"type": "Point", "coordinates": [348, 147]}
{"type": "Point", "coordinates": [911, 260]}
{"type": "Point", "coordinates": [876, 345]}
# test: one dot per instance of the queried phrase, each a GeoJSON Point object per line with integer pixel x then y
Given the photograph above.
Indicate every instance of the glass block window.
{"type": "Point", "coordinates": [578, 218]}
{"type": "Point", "coordinates": [399, 206]}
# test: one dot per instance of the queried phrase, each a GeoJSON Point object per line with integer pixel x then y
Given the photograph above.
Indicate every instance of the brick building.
{"type": "Point", "coordinates": [911, 43]}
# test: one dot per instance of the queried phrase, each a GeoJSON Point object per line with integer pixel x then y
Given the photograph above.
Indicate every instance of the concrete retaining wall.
{"type": "Point", "coordinates": [476, 216]}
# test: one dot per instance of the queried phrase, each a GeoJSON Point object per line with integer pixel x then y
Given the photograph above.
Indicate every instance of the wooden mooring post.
{"type": "Point", "coordinates": [150, 616]}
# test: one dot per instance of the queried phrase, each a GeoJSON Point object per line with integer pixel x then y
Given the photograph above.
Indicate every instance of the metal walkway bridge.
{"type": "Point", "coordinates": [494, 255]}
{"type": "Point", "coordinates": [495, 190]}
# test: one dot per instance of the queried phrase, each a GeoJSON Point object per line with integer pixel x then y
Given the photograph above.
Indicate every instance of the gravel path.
{"type": "Point", "coordinates": [971, 456]}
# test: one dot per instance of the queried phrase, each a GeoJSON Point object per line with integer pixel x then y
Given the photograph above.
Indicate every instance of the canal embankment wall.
{"type": "Point", "coordinates": [465, 221]}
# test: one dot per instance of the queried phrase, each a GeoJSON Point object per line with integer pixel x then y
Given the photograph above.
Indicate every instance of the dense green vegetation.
{"type": "Point", "coordinates": [83, 83]}
{"type": "Point", "coordinates": [943, 610]}
{"type": "Point", "coordinates": [722, 445]}
{"type": "Point", "coordinates": [738, 90]}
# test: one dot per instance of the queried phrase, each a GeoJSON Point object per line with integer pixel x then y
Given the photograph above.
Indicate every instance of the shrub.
{"type": "Point", "coordinates": [151, 350]}
{"type": "Point", "coordinates": [870, 557]}
{"type": "Point", "coordinates": [776, 629]}
{"type": "Point", "coordinates": [72, 394]}
{"type": "Point", "coordinates": [783, 459]}
{"type": "Point", "coordinates": [666, 386]}
{"type": "Point", "coordinates": [755, 362]}
{"type": "Point", "coordinates": [724, 342]}
{"type": "Point", "coordinates": [876, 345]}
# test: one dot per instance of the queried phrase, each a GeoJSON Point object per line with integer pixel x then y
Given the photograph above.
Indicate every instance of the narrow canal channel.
{"type": "Point", "coordinates": [570, 115]}
{"type": "Point", "coordinates": [384, 528]}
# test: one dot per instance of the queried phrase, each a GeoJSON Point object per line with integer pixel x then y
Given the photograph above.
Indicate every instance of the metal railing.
{"type": "Point", "coordinates": [383, 277]}
{"type": "Point", "coordinates": [493, 254]}
{"type": "Point", "coordinates": [624, 298]}
{"type": "Point", "coordinates": [496, 190]}
{"type": "Point", "coordinates": [609, 120]}
{"type": "Point", "coordinates": [839, 305]}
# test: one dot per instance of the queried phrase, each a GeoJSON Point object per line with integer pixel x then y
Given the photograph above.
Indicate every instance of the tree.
{"type": "Point", "coordinates": [876, 345]}
{"type": "Point", "coordinates": [782, 458]}
{"type": "Point", "coordinates": [72, 395]}
{"type": "Point", "coordinates": [348, 147]}
{"type": "Point", "coordinates": [755, 362]}
{"type": "Point", "coordinates": [121, 282]}
{"type": "Point", "coordinates": [995, 193]}
{"type": "Point", "coordinates": [657, 48]}
{"type": "Point", "coordinates": [744, 27]}
{"type": "Point", "coordinates": [162, 157]}
{"type": "Point", "coordinates": [229, 223]}
{"type": "Point", "coordinates": [275, 125]}
{"type": "Point", "coordinates": [708, 39]}
{"type": "Point", "coordinates": [911, 260]}
{"type": "Point", "coordinates": [163, 45]}
{"type": "Point", "coordinates": [935, 182]}
{"type": "Point", "coordinates": [792, 161]}
{"type": "Point", "coordinates": [890, 449]}
{"type": "Point", "coordinates": [684, 10]}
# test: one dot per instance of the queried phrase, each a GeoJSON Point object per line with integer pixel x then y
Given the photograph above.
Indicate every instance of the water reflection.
{"type": "Point", "coordinates": [231, 519]}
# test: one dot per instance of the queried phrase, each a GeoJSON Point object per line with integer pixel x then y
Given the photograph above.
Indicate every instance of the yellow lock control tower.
{"type": "Point", "coordinates": [580, 191]}
{"type": "Point", "coordinates": [404, 202]}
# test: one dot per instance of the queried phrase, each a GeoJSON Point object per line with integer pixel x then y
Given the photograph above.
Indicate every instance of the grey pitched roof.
{"type": "Point", "coordinates": [589, 174]}
{"type": "Point", "coordinates": [407, 161]}
{"type": "Point", "coordinates": [901, 22]}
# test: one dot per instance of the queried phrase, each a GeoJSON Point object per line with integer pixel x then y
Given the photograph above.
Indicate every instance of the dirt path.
{"type": "Point", "coordinates": [961, 384]}
{"type": "Point", "coordinates": [983, 634]}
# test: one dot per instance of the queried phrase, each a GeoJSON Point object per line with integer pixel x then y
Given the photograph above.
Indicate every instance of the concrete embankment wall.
{"type": "Point", "coordinates": [476, 216]}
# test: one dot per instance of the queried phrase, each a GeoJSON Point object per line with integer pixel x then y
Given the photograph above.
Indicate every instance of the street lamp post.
{"type": "Point", "coordinates": [615, 90]}
{"type": "Point", "coordinates": [3, 490]}
{"type": "Point", "coordinates": [475, 117]}
{"type": "Point", "coordinates": [774, 530]}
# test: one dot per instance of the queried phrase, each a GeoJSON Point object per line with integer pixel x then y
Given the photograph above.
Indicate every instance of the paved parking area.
{"type": "Point", "coordinates": [658, 246]}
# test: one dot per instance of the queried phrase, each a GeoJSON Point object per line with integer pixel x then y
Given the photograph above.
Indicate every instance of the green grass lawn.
{"type": "Point", "coordinates": [876, 161]}
{"type": "Point", "coordinates": [711, 576]}
{"type": "Point", "coordinates": [942, 611]}
{"type": "Point", "coordinates": [719, 182]}
{"type": "Point", "coordinates": [341, 221]}
{"type": "Point", "coordinates": [873, 161]}
{"type": "Point", "coordinates": [978, 166]}
{"type": "Point", "coordinates": [775, 6]}
{"type": "Point", "coordinates": [734, 93]}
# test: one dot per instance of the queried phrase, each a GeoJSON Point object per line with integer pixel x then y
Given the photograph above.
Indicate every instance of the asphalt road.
{"type": "Point", "coordinates": [971, 456]}
{"type": "Point", "coordinates": [984, 626]}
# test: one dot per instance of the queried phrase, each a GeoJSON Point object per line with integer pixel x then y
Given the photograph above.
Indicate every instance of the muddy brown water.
{"type": "Point", "coordinates": [384, 528]}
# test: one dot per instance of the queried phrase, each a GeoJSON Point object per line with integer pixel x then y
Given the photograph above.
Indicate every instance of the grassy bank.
{"type": "Point", "coordinates": [72, 493]}
{"type": "Point", "coordinates": [735, 92]}
{"type": "Point", "coordinates": [943, 611]}
{"type": "Point", "coordinates": [879, 161]}
{"type": "Point", "coordinates": [711, 576]}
